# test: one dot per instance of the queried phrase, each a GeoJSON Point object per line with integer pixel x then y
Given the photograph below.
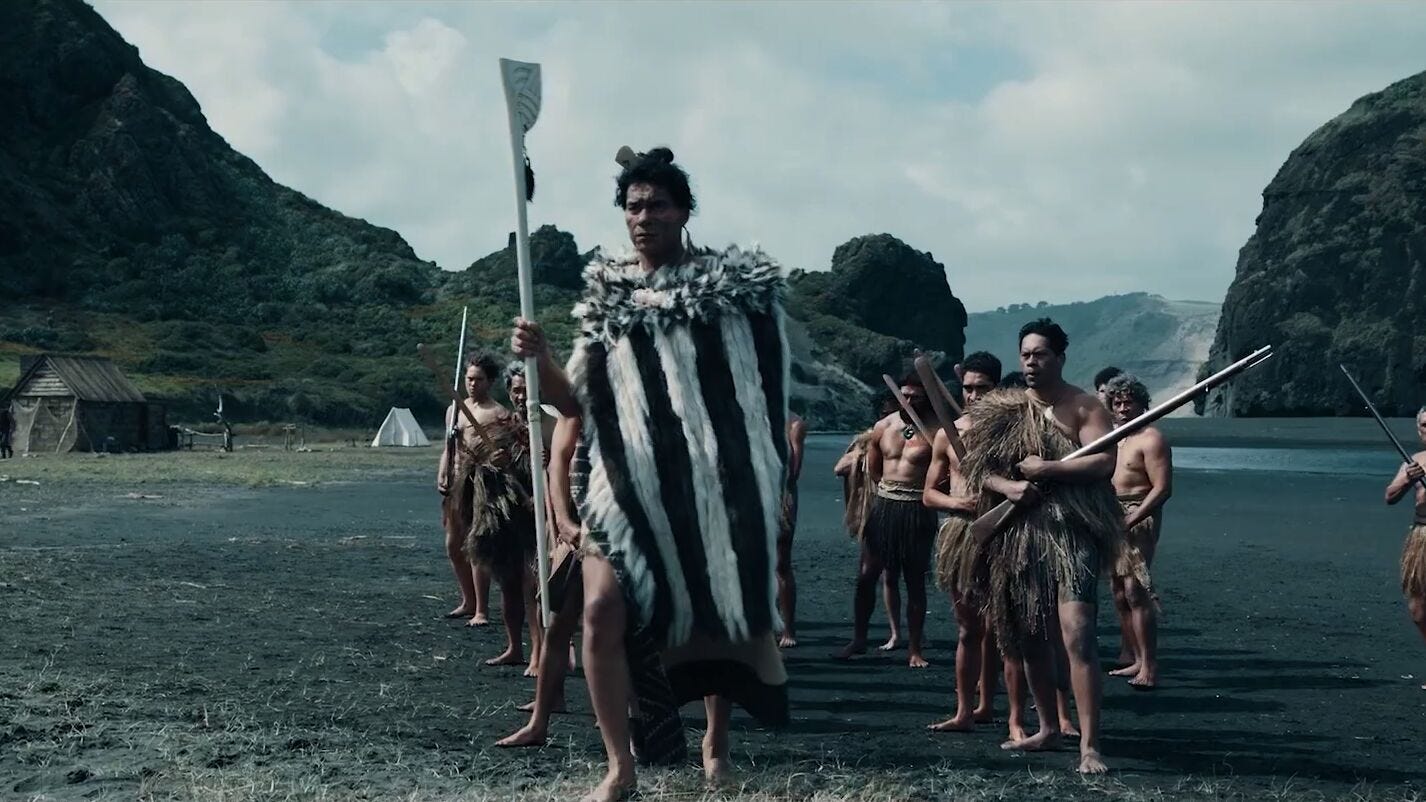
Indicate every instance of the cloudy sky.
{"type": "Point", "coordinates": [1039, 151]}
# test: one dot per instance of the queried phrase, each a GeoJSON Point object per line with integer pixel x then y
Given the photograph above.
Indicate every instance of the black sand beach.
{"type": "Point", "coordinates": [286, 643]}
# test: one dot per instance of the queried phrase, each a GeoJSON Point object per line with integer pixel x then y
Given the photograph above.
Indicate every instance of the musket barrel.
{"type": "Point", "coordinates": [1160, 411]}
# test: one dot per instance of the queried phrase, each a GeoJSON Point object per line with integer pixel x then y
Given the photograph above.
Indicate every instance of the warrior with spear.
{"type": "Point", "coordinates": [1059, 524]}
{"type": "Point", "coordinates": [1410, 478]}
{"type": "Point", "coordinates": [680, 377]}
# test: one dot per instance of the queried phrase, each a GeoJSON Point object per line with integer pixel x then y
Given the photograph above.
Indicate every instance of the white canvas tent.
{"type": "Point", "coordinates": [399, 429]}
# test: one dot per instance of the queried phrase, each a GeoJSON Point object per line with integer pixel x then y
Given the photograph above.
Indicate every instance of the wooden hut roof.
{"type": "Point", "coordinates": [89, 378]}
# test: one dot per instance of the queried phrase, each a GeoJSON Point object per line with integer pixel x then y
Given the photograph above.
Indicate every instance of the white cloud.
{"type": "Point", "coordinates": [1055, 151]}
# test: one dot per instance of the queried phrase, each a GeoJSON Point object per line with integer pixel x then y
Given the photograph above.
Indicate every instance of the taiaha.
{"type": "Point", "coordinates": [1400, 449]}
{"type": "Point", "coordinates": [988, 524]}
{"type": "Point", "coordinates": [522, 105]}
{"type": "Point", "coordinates": [906, 407]}
{"type": "Point", "coordinates": [942, 402]}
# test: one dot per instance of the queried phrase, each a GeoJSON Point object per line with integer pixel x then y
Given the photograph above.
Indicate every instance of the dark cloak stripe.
{"type": "Point", "coordinates": [675, 475]}
{"type": "Point", "coordinates": [603, 410]}
{"type": "Point", "coordinates": [767, 344]}
{"type": "Point", "coordinates": [741, 493]}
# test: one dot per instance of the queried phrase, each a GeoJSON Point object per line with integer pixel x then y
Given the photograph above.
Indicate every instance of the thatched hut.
{"type": "Point", "coordinates": [82, 403]}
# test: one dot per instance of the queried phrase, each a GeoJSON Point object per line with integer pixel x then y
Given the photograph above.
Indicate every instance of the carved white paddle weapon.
{"type": "Point", "coordinates": [522, 105]}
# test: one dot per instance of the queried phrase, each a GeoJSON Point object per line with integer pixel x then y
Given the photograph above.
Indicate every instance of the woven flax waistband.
{"type": "Point", "coordinates": [898, 491]}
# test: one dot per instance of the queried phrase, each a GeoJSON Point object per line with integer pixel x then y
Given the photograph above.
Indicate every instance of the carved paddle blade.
{"type": "Point", "coordinates": [522, 90]}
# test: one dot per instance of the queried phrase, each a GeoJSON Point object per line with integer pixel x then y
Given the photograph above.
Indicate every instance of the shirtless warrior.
{"type": "Point", "coordinates": [1413, 556]}
{"type": "Point", "coordinates": [960, 570]}
{"type": "Point", "coordinates": [1045, 560]}
{"type": "Point", "coordinates": [1143, 480]}
{"type": "Point", "coordinates": [899, 531]}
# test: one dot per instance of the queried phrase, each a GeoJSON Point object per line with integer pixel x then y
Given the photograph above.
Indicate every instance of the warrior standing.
{"type": "Point", "coordinates": [488, 508]}
{"type": "Point", "coordinates": [1143, 479]}
{"type": "Point", "coordinates": [680, 376]}
{"type": "Point", "coordinates": [1413, 554]}
{"type": "Point", "coordinates": [961, 570]}
{"type": "Point", "coordinates": [1047, 558]}
{"type": "Point", "coordinates": [898, 532]}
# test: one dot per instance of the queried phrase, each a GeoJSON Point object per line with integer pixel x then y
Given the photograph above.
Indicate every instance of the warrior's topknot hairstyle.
{"type": "Point", "coordinates": [657, 168]}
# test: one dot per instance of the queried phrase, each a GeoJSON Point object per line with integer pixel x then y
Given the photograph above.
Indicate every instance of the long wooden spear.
{"type": "Point", "coordinates": [522, 105]}
{"type": "Point", "coordinates": [1400, 449]}
{"type": "Point", "coordinates": [988, 524]}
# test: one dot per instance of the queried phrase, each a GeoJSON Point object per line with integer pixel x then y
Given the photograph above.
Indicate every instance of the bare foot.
{"type": "Point", "coordinates": [617, 785]}
{"type": "Point", "coordinates": [851, 650]}
{"type": "Point", "coordinates": [1145, 681]}
{"type": "Point", "coordinates": [1090, 762]}
{"type": "Point", "coordinates": [459, 612]}
{"type": "Point", "coordinates": [510, 657]}
{"type": "Point", "coordinates": [1068, 729]}
{"type": "Point", "coordinates": [1042, 741]}
{"type": "Point", "coordinates": [478, 620]}
{"type": "Point", "coordinates": [983, 715]}
{"type": "Point", "coordinates": [892, 643]}
{"type": "Point", "coordinates": [533, 669]}
{"type": "Point", "coordinates": [915, 660]}
{"type": "Point", "coordinates": [786, 641]}
{"type": "Point", "coordinates": [955, 724]}
{"type": "Point", "coordinates": [1127, 671]}
{"type": "Point", "coordinates": [528, 735]}
{"type": "Point", "coordinates": [1017, 732]}
{"type": "Point", "coordinates": [717, 771]}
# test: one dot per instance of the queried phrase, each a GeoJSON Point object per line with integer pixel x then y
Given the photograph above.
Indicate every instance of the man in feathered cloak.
{"type": "Point", "coordinates": [680, 377]}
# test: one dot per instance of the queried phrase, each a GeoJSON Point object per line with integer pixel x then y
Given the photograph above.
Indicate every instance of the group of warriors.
{"type": "Point", "coordinates": [1025, 600]}
{"type": "Point", "coordinates": [672, 470]}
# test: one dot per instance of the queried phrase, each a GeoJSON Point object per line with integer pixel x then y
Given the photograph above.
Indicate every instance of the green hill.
{"type": "Point", "coordinates": [129, 228]}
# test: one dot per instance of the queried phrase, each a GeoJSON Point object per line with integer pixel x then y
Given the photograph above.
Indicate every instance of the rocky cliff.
{"type": "Point", "coordinates": [1336, 270]}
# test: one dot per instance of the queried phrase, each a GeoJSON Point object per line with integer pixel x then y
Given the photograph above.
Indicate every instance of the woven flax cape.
{"type": "Point", "coordinates": [1043, 549]}
{"type": "Point", "coordinates": [682, 375]}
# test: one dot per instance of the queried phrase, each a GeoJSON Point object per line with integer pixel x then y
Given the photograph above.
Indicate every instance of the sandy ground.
{"type": "Point", "coordinates": [285, 642]}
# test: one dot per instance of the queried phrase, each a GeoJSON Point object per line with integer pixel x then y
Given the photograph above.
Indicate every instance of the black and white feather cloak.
{"type": "Point", "coordinates": [682, 375]}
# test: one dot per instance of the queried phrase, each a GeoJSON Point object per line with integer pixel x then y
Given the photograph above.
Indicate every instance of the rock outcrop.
{"type": "Point", "coordinates": [1336, 271]}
